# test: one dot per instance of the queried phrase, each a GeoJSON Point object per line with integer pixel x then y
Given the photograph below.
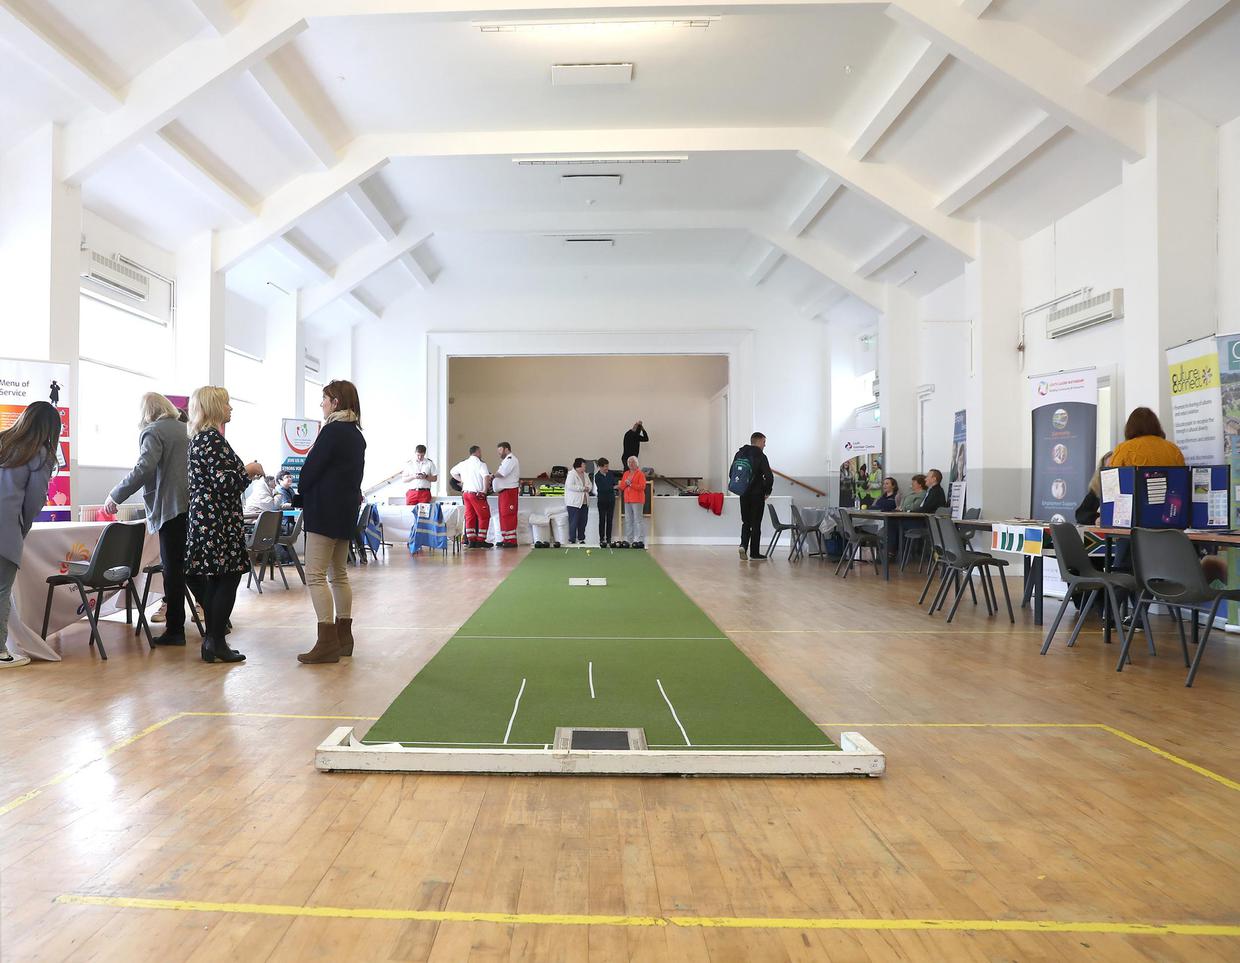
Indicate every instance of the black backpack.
{"type": "Point", "coordinates": [740, 476]}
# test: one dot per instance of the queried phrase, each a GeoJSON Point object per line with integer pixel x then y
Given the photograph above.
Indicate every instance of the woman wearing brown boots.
{"type": "Point", "coordinates": [330, 491]}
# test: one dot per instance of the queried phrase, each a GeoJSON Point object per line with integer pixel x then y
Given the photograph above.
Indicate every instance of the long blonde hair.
{"type": "Point", "coordinates": [155, 406]}
{"type": "Point", "coordinates": [208, 407]}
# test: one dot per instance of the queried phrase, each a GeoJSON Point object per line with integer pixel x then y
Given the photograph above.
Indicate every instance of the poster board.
{"type": "Point", "coordinates": [23, 383]}
{"type": "Point", "coordinates": [1064, 413]}
{"type": "Point", "coordinates": [1196, 400]}
{"type": "Point", "coordinates": [297, 436]}
{"type": "Point", "coordinates": [861, 465]}
{"type": "Point", "coordinates": [1197, 496]}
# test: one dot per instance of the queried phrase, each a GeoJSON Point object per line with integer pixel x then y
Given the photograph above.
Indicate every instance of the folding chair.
{"type": "Point", "coordinates": [854, 541]}
{"type": "Point", "coordinates": [1082, 575]}
{"type": "Point", "coordinates": [779, 527]}
{"type": "Point", "coordinates": [262, 549]}
{"type": "Point", "coordinates": [158, 569]}
{"type": "Point", "coordinates": [966, 563]}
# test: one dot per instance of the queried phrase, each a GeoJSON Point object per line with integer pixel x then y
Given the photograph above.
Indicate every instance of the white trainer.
{"type": "Point", "coordinates": [8, 660]}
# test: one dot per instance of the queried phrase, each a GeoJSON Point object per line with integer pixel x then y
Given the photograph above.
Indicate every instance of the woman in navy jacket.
{"type": "Point", "coordinates": [331, 492]}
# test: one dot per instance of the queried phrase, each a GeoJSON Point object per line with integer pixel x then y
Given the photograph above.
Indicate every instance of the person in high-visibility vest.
{"type": "Point", "coordinates": [474, 477]}
{"type": "Point", "coordinates": [420, 473]}
{"type": "Point", "coordinates": [505, 482]}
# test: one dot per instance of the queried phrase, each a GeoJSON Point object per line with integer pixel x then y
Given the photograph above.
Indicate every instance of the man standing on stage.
{"type": "Point", "coordinates": [633, 439]}
{"type": "Point", "coordinates": [419, 474]}
{"type": "Point", "coordinates": [474, 477]}
{"type": "Point", "coordinates": [504, 484]}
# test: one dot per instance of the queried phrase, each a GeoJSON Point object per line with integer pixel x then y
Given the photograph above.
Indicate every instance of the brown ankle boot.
{"type": "Point", "coordinates": [326, 649]}
{"type": "Point", "coordinates": [344, 632]}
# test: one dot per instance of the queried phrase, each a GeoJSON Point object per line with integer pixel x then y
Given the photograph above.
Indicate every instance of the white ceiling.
{"type": "Point", "coordinates": [743, 101]}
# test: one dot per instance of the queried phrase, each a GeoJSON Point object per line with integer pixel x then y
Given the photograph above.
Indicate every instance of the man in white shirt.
{"type": "Point", "coordinates": [260, 496]}
{"type": "Point", "coordinates": [474, 477]}
{"type": "Point", "coordinates": [419, 473]}
{"type": "Point", "coordinates": [504, 484]}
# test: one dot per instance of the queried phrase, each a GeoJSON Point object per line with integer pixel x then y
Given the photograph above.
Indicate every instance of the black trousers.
{"type": "Point", "coordinates": [752, 507]}
{"type": "Point", "coordinates": [577, 518]}
{"type": "Point", "coordinates": [216, 594]}
{"type": "Point", "coordinates": [172, 555]}
{"type": "Point", "coordinates": [606, 514]}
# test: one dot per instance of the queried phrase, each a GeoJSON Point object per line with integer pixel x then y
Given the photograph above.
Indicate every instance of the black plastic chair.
{"type": "Point", "coordinates": [1082, 575]}
{"type": "Point", "coordinates": [779, 527]}
{"type": "Point", "coordinates": [289, 544]}
{"type": "Point", "coordinates": [150, 572]}
{"type": "Point", "coordinates": [802, 530]}
{"type": "Point", "coordinates": [959, 559]}
{"type": "Point", "coordinates": [913, 539]}
{"type": "Point", "coordinates": [262, 549]}
{"type": "Point", "coordinates": [117, 558]}
{"type": "Point", "coordinates": [854, 541]}
{"type": "Point", "coordinates": [1168, 571]}
{"type": "Point", "coordinates": [966, 535]}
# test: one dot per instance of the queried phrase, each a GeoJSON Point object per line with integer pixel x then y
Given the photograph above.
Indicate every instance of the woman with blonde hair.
{"type": "Point", "coordinates": [330, 489]}
{"type": "Point", "coordinates": [27, 460]}
{"type": "Point", "coordinates": [162, 472]}
{"type": "Point", "coordinates": [215, 551]}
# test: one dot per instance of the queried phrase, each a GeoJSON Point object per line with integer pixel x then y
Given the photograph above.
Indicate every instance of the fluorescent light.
{"type": "Point", "coordinates": [619, 159]}
{"type": "Point", "coordinates": [513, 26]}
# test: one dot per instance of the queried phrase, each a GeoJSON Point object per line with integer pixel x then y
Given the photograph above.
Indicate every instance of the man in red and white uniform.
{"type": "Point", "coordinates": [420, 473]}
{"type": "Point", "coordinates": [504, 484]}
{"type": "Point", "coordinates": [474, 477]}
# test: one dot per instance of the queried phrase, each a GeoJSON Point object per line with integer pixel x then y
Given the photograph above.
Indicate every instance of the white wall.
{"type": "Point", "coordinates": [555, 409]}
{"type": "Point", "coordinates": [1229, 227]}
{"type": "Point", "coordinates": [389, 356]}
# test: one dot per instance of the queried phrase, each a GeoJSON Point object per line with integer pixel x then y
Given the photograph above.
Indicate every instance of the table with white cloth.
{"type": "Point", "coordinates": [48, 550]}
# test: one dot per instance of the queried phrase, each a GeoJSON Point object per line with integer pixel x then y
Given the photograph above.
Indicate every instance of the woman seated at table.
{"type": "Point", "coordinates": [1145, 443]}
{"type": "Point", "coordinates": [914, 498]}
{"type": "Point", "coordinates": [889, 501]}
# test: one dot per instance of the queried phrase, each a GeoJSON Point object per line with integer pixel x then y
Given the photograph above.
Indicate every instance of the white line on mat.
{"type": "Point", "coordinates": [513, 717]}
{"type": "Point", "coordinates": [673, 708]}
{"type": "Point", "coordinates": [591, 680]}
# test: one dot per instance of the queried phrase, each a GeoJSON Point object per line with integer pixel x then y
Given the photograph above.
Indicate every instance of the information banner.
{"type": "Point", "coordinates": [861, 465]}
{"type": "Point", "coordinates": [297, 435]}
{"type": "Point", "coordinates": [21, 384]}
{"type": "Point", "coordinates": [1196, 400]}
{"type": "Point", "coordinates": [956, 476]}
{"type": "Point", "coordinates": [1065, 431]}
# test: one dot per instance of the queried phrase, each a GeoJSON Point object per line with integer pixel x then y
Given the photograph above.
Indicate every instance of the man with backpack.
{"type": "Point", "coordinates": [752, 480]}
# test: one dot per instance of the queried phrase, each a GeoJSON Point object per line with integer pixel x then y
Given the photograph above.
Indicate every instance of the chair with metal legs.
{"type": "Point", "coordinates": [779, 527]}
{"type": "Point", "coordinates": [966, 563]}
{"type": "Point", "coordinates": [1082, 575]}
{"type": "Point", "coordinates": [855, 540]}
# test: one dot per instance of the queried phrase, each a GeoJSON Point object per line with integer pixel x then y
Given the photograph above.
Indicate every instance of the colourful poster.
{"type": "Point", "coordinates": [956, 482]}
{"type": "Point", "coordinates": [861, 465]}
{"type": "Point", "coordinates": [25, 382]}
{"type": "Point", "coordinates": [1196, 400]}
{"type": "Point", "coordinates": [1065, 431]}
{"type": "Point", "coordinates": [297, 435]}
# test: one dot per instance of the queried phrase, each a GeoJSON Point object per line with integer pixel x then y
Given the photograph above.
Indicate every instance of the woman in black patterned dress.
{"type": "Point", "coordinates": [215, 550]}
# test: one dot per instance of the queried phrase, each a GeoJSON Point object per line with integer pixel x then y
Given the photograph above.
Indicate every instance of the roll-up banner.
{"type": "Point", "coordinates": [1065, 438]}
{"type": "Point", "coordinates": [23, 383]}
{"type": "Point", "coordinates": [956, 477]}
{"type": "Point", "coordinates": [1197, 400]}
{"type": "Point", "coordinates": [861, 465]}
{"type": "Point", "coordinates": [296, 437]}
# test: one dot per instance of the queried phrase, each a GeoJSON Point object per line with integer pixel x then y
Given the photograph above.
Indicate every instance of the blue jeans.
{"type": "Point", "coordinates": [577, 523]}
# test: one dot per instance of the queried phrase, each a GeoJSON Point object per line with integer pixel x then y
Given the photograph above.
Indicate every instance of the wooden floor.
{"type": "Point", "coordinates": [1015, 795]}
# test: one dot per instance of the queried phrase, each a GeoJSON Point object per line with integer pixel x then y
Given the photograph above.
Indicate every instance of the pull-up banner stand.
{"type": "Point", "coordinates": [1065, 439]}
{"type": "Point", "coordinates": [956, 476]}
{"type": "Point", "coordinates": [21, 384]}
{"type": "Point", "coordinates": [861, 465]}
{"type": "Point", "coordinates": [1197, 400]}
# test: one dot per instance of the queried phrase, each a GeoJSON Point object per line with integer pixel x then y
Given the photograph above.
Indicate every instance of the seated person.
{"type": "Point", "coordinates": [284, 490]}
{"type": "Point", "coordinates": [1091, 504]}
{"type": "Point", "coordinates": [934, 498]}
{"type": "Point", "coordinates": [889, 500]}
{"type": "Point", "coordinates": [914, 498]}
{"type": "Point", "coordinates": [260, 496]}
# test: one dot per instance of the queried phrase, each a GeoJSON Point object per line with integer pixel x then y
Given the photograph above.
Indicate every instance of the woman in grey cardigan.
{"type": "Point", "coordinates": [27, 459]}
{"type": "Point", "coordinates": [162, 472]}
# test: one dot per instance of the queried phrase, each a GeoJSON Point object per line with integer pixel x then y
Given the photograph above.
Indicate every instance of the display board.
{"type": "Point", "coordinates": [1196, 400]}
{"type": "Point", "coordinates": [1197, 496]}
{"type": "Point", "coordinates": [25, 382]}
{"type": "Point", "coordinates": [956, 483]}
{"type": "Point", "coordinates": [1064, 411]}
{"type": "Point", "coordinates": [297, 435]}
{"type": "Point", "coordinates": [861, 465]}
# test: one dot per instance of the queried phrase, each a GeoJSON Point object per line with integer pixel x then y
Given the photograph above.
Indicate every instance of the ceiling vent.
{"type": "Point", "coordinates": [115, 275]}
{"type": "Point", "coordinates": [590, 181]}
{"type": "Point", "coordinates": [588, 243]}
{"type": "Point", "coordinates": [590, 75]}
{"type": "Point", "coordinates": [582, 161]}
{"type": "Point", "coordinates": [1085, 313]}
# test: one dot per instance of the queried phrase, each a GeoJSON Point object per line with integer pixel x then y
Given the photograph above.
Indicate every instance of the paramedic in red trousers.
{"type": "Point", "coordinates": [474, 477]}
{"type": "Point", "coordinates": [420, 473]}
{"type": "Point", "coordinates": [504, 483]}
{"type": "Point", "coordinates": [753, 502]}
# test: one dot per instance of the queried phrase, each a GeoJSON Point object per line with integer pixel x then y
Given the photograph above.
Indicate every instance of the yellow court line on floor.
{"type": "Point", "coordinates": [704, 922]}
{"type": "Point", "coordinates": [1119, 733]}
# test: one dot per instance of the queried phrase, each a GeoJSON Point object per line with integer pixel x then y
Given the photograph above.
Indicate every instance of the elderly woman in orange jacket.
{"type": "Point", "coordinates": [633, 489]}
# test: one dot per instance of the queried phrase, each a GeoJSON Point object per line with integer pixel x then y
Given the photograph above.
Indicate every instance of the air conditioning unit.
{"type": "Point", "coordinates": [1085, 313]}
{"type": "Point", "coordinates": [115, 275]}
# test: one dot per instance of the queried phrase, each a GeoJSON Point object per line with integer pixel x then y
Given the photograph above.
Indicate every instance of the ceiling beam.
{"type": "Point", "coordinates": [815, 204]}
{"type": "Point", "coordinates": [203, 182]}
{"type": "Point", "coordinates": [158, 94]}
{"type": "Point", "coordinates": [1033, 66]}
{"type": "Point", "coordinates": [367, 208]}
{"type": "Point", "coordinates": [912, 79]}
{"type": "Point", "coordinates": [888, 252]}
{"type": "Point", "coordinates": [50, 55]}
{"type": "Point", "coordinates": [218, 13]}
{"type": "Point", "coordinates": [766, 263]}
{"type": "Point", "coordinates": [301, 259]}
{"type": "Point", "coordinates": [986, 176]}
{"type": "Point", "coordinates": [816, 307]}
{"type": "Point", "coordinates": [1154, 41]}
{"type": "Point", "coordinates": [975, 8]}
{"type": "Point", "coordinates": [290, 106]}
{"type": "Point", "coordinates": [825, 260]}
{"type": "Point", "coordinates": [355, 270]}
{"type": "Point", "coordinates": [501, 9]}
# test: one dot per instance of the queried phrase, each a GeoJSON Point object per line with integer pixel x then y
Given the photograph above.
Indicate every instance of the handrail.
{"type": "Point", "coordinates": [377, 486]}
{"type": "Point", "coordinates": [796, 481]}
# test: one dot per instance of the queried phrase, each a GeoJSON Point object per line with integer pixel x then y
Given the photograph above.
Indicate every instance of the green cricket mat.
{"type": "Point", "coordinates": [541, 654]}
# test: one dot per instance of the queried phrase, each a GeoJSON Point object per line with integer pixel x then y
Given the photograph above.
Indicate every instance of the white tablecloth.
{"type": "Point", "coordinates": [49, 546]}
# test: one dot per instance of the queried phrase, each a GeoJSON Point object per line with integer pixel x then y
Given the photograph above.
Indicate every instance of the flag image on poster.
{"type": "Point", "coordinates": [1196, 400]}
{"type": "Point", "coordinates": [21, 384]}
{"type": "Point", "coordinates": [1065, 431]}
{"type": "Point", "coordinates": [861, 465]}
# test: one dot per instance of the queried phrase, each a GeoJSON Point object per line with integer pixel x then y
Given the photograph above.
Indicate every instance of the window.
{"type": "Point", "coordinates": [314, 394]}
{"type": "Point", "coordinates": [253, 434]}
{"type": "Point", "coordinates": [123, 355]}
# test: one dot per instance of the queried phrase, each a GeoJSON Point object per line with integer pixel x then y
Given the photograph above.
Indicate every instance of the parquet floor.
{"type": "Point", "coordinates": [1018, 819]}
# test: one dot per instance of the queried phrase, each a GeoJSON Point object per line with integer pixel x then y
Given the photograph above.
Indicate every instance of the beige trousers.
{"type": "Point", "coordinates": [325, 563]}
